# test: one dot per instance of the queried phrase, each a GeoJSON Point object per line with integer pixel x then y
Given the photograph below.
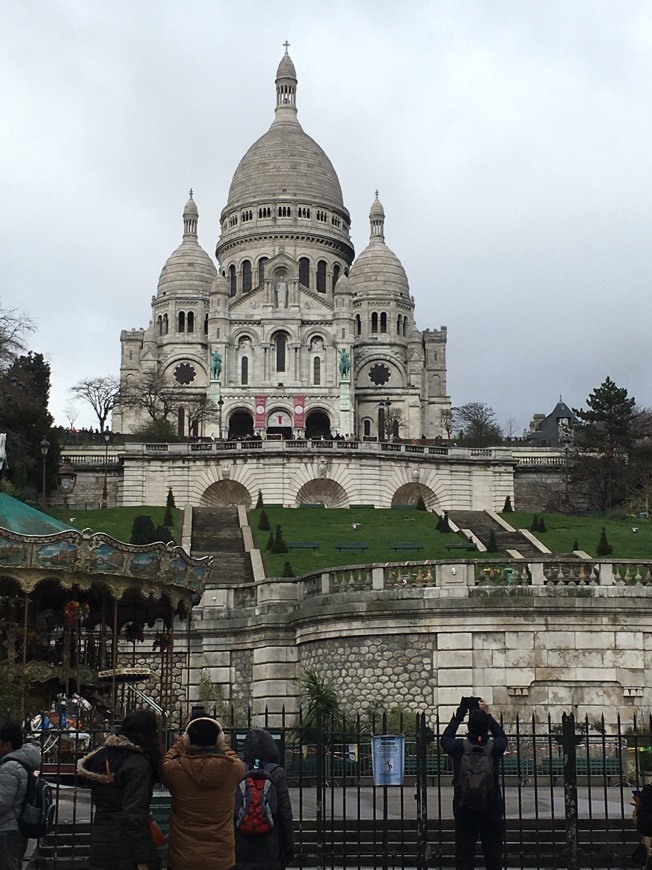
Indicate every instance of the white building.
{"type": "Point", "coordinates": [289, 335]}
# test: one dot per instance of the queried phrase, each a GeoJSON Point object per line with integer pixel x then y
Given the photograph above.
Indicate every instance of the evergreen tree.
{"type": "Point", "coordinates": [162, 533]}
{"type": "Point", "coordinates": [168, 519]}
{"type": "Point", "coordinates": [535, 524]}
{"type": "Point", "coordinates": [270, 543]}
{"type": "Point", "coordinates": [263, 522]}
{"type": "Point", "coordinates": [143, 530]}
{"type": "Point", "coordinates": [259, 501]}
{"type": "Point", "coordinates": [507, 507]}
{"type": "Point", "coordinates": [421, 505]}
{"type": "Point", "coordinates": [542, 525]}
{"type": "Point", "coordinates": [604, 548]}
{"type": "Point", "coordinates": [576, 545]}
{"type": "Point", "coordinates": [170, 500]}
{"type": "Point", "coordinates": [492, 546]}
{"type": "Point", "coordinates": [279, 541]}
{"type": "Point", "coordinates": [288, 570]}
{"type": "Point", "coordinates": [443, 525]}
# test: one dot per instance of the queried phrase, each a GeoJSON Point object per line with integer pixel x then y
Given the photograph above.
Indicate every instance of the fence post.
{"type": "Point", "coordinates": [320, 773]}
{"type": "Point", "coordinates": [421, 794]}
{"type": "Point", "coordinates": [569, 746]}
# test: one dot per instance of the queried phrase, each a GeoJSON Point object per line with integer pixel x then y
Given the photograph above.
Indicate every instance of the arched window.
{"type": "Point", "coordinates": [166, 325]}
{"type": "Point", "coordinates": [358, 324]}
{"type": "Point", "coordinates": [316, 371]}
{"type": "Point", "coordinates": [383, 322]}
{"type": "Point", "coordinates": [304, 271]}
{"type": "Point", "coordinates": [374, 323]}
{"type": "Point", "coordinates": [398, 324]}
{"type": "Point", "coordinates": [181, 422]}
{"type": "Point", "coordinates": [159, 325]}
{"type": "Point", "coordinates": [321, 276]}
{"type": "Point", "coordinates": [261, 270]}
{"type": "Point", "coordinates": [405, 326]}
{"type": "Point", "coordinates": [233, 281]}
{"type": "Point", "coordinates": [336, 274]}
{"type": "Point", "coordinates": [244, 371]}
{"type": "Point", "coordinates": [281, 346]}
{"type": "Point", "coordinates": [205, 324]}
{"type": "Point", "coordinates": [366, 428]}
{"type": "Point", "coordinates": [182, 322]}
{"type": "Point", "coordinates": [190, 322]}
{"type": "Point", "coordinates": [246, 276]}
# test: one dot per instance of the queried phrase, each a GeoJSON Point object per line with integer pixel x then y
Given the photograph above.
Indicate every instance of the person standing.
{"type": "Point", "coordinates": [18, 761]}
{"type": "Point", "coordinates": [477, 798]}
{"type": "Point", "coordinates": [122, 774]}
{"type": "Point", "coordinates": [274, 849]}
{"type": "Point", "coordinates": [201, 773]}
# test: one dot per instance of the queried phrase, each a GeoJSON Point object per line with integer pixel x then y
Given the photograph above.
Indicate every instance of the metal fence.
{"type": "Point", "coordinates": [566, 788]}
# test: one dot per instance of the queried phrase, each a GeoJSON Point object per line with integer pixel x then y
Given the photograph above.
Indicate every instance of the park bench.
{"type": "Point", "coordinates": [308, 504]}
{"type": "Point", "coordinates": [467, 546]}
{"type": "Point", "coordinates": [406, 545]}
{"type": "Point", "coordinates": [358, 546]}
{"type": "Point", "coordinates": [601, 767]}
{"type": "Point", "coordinates": [303, 545]}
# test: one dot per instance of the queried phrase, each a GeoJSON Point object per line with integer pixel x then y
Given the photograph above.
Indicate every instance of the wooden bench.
{"type": "Point", "coordinates": [308, 504]}
{"type": "Point", "coordinates": [467, 546]}
{"type": "Point", "coordinates": [303, 545]}
{"type": "Point", "coordinates": [358, 546]}
{"type": "Point", "coordinates": [406, 545]}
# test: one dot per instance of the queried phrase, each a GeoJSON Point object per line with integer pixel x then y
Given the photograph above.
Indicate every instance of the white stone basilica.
{"type": "Point", "coordinates": [289, 336]}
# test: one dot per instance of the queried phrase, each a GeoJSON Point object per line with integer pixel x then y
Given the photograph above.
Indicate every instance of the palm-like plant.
{"type": "Point", "coordinates": [317, 698]}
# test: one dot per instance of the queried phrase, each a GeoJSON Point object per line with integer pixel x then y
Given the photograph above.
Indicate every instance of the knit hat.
{"type": "Point", "coordinates": [205, 731]}
{"type": "Point", "coordinates": [478, 723]}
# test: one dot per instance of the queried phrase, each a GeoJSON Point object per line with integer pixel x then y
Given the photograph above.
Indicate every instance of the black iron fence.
{"type": "Point", "coordinates": [566, 786]}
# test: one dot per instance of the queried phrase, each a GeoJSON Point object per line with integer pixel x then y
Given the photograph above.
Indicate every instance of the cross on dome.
{"type": "Point", "coordinates": [286, 45]}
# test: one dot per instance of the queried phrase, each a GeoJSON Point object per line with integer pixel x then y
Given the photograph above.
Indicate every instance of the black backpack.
{"type": "Point", "coordinates": [476, 775]}
{"type": "Point", "coordinates": [644, 812]}
{"type": "Point", "coordinates": [36, 818]}
{"type": "Point", "coordinates": [256, 801]}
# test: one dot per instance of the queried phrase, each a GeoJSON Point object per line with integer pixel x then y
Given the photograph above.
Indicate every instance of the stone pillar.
{"type": "Point", "coordinates": [273, 687]}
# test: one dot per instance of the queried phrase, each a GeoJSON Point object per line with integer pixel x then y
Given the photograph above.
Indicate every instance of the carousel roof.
{"type": "Point", "coordinates": [20, 518]}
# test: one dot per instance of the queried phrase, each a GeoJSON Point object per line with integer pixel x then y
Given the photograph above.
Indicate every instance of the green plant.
{"type": "Point", "coordinates": [492, 546]}
{"type": "Point", "coordinates": [542, 525]}
{"type": "Point", "coordinates": [168, 519]}
{"type": "Point", "coordinates": [163, 533]}
{"type": "Point", "coordinates": [421, 505]}
{"type": "Point", "coordinates": [535, 524]}
{"type": "Point", "coordinates": [604, 548]}
{"type": "Point", "coordinates": [507, 509]}
{"type": "Point", "coordinates": [576, 545]}
{"type": "Point", "coordinates": [287, 570]}
{"type": "Point", "coordinates": [317, 699]}
{"type": "Point", "coordinates": [279, 545]}
{"type": "Point", "coordinates": [270, 543]}
{"type": "Point", "coordinates": [211, 696]}
{"type": "Point", "coordinates": [259, 500]}
{"type": "Point", "coordinates": [143, 530]}
{"type": "Point", "coordinates": [263, 521]}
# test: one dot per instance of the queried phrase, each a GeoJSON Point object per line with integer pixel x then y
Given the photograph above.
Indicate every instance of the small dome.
{"type": "Point", "coordinates": [286, 68]}
{"type": "Point", "coordinates": [376, 210]}
{"type": "Point", "coordinates": [189, 269]}
{"type": "Point", "coordinates": [377, 267]}
{"type": "Point", "coordinates": [191, 207]}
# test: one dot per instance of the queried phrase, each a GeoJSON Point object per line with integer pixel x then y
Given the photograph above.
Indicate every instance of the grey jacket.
{"type": "Point", "coordinates": [13, 783]}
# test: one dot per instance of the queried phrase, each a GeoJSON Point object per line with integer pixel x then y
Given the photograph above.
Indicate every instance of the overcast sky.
{"type": "Point", "coordinates": [510, 141]}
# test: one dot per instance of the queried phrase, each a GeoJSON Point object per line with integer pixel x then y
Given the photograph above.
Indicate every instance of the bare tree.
{"type": "Point", "coordinates": [100, 393]}
{"type": "Point", "coordinates": [477, 425]}
{"type": "Point", "coordinates": [447, 422]}
{"type": "Point", "coordinates": [71, 413]}
{"type": "Point", "coordinates": [14, 327]}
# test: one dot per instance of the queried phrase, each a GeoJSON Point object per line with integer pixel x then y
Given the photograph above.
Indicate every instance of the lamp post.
{"type": "Point", "coordinates": [67, 481]}
{"type": "Point", "coordinates": [220, 405]}
{"type": "Point", "coordinates": [105, 494]}
{"type": "Point", "coordinates": [45, 446]}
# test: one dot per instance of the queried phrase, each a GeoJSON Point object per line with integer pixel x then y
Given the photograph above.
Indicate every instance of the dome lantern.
{"type": "Point", "coordinates": [286, 86]}
{"type": "Point", "coordinates": [377, 220]}
{"type": "Point", "coordinates": [190, 218]}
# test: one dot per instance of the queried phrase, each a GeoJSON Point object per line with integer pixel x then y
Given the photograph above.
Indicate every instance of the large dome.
{"type": "Point", "coordinates": [285, 162]}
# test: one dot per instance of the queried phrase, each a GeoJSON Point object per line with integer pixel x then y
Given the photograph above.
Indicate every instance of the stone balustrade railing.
{"type": "Point", "coordinates": [441, 575]}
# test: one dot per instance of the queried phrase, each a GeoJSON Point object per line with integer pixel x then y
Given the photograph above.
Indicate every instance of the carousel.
{"type": "Point", "coordinates": [90, 625]}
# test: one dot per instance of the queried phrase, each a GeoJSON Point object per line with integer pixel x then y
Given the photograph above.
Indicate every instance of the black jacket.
{"type": "Point", "coordinates": [271, 851]}
{"type": "Point", "coordinates": [120, 836]}
{"type": "Point", "coordinates": [454, 746]}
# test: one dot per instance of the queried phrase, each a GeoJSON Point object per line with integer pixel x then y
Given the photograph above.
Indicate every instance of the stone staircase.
{"type": "Point", "coordinates": [216, 532]}
{"type": "Point", "coordinates": [481, 524]}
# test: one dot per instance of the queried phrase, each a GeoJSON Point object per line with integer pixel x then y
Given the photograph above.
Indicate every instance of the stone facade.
{"type": "Point", "coordinates": [289, 335]}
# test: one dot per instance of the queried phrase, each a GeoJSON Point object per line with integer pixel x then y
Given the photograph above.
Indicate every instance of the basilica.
{"type": "Point", "coordinates": [289, 335]}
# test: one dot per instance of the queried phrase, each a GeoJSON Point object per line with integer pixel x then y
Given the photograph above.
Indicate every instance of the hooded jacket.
{"type": "Point", "coordinates": [120, 836]}
{"type": "Point", "coordinates": [454, 746]}
{"type": "Point", "coordinates": [13, 783]}
{"type": "Point", "coordinates": [274, 850]}
{"type": "Point", "coordinates": [202, 782]}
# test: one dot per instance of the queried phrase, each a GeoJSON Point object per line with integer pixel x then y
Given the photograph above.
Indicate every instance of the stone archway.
{"type": "Point", "coordinates": [318, 426]}
{"type": "Point", "coordinates": [410, 493]}
{"type": "Point", "coordinates": [225, 493]}
{"type": "Point", "coordinates": [241, 425]}
{"type": "Point", "coordinates": [321, 491]}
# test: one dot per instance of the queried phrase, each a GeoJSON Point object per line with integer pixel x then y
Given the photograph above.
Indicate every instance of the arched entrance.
{"type": "Point", "coordinates": [318, 426]}
{"type": "Point", "coordinates": [279, 424]}
{"type": "Point", "coordinates": [410, 493]}
{"type": "Point", "coordinates": [241, 425]}
{"type": "Point", "coordinates": [224, 493]}
{"type": "Point", "coordinates": [326, 492]}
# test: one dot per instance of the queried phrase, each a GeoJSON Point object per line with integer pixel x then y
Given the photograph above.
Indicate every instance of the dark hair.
{"type": "Point", "coordinates": [204, 732]}
{"type": "Point", "coordinates": [478, 723]}
{"type": "Point", "coordinates": [11, 732]}
{"type": "Point", "coordinates": [142, 728]}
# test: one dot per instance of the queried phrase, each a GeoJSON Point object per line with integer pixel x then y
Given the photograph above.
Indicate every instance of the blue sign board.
{"type": "Point", "coordinates": [388, 758]}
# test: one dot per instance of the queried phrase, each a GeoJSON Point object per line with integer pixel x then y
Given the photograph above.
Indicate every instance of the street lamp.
{"type": "Point", "coordinates": [45, 446]}
{"type": "Point", "coordinates": [105, 494]}
{"type": "Point", "coordinates": [220, 405]}
{"type": "Point", "coordinates": [67, 481]}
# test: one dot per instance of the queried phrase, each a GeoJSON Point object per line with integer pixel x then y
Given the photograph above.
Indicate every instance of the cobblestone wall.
{"type": "Point", "coordinates": [375, 671]}
{"type": "Point", "coordinates": [242, 662]}
{"type": "Point", "coordinates": [148, 659]}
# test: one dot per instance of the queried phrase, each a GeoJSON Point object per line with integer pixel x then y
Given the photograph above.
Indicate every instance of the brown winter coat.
{"type": "Point", "coordinates": [202, 781]}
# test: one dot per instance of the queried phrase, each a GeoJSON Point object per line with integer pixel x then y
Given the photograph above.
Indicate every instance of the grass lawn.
{"type": "Point", "coordinates": [378, 529]}
{"type": "Point", "coordinates": [116, 522]}
{"type": "Point", "coordinates": [563, 531]}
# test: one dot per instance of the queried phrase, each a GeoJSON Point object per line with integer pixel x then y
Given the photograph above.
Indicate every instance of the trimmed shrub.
{"type": "Point", "coordinates": [604, 548]}
{"type": "Point", "coordinates": [288, 571]}
{"type": "Point", "coordinates": [162, 533]}
{"type": "Point", "coordinates": [263, 522]}
{"type": "Point", "coordinates": [259, 502]}
{"type": "Point", "coordinates": [492, 546]}
{"type": "Point", "coordinates": [576, 546]}
{"type": "Point", "coordinates": [542, 525]}
{"type": "Point", "coordinates": [270, 543]}
{"type": "Point", "coordinates": [143, 530]}
{"type": "Point", "coordinates": [507, 507]}
{"type": "Point", "coordinates": [279, 545]}
{"type": "Point", "coordinates": [535, 524]}
{"type": "Point", "coordinates": [421, 505]}
{"type": "Point", "coordinates": [170, 500]}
